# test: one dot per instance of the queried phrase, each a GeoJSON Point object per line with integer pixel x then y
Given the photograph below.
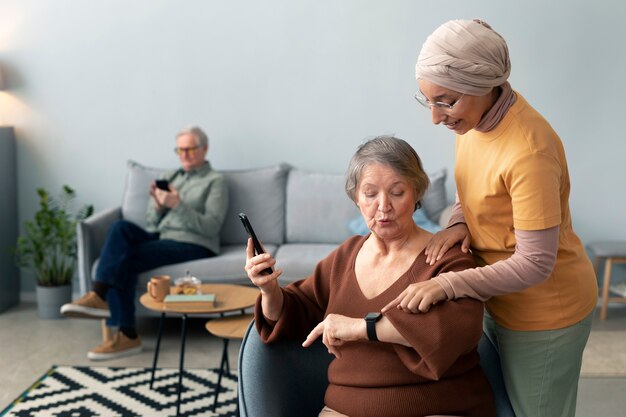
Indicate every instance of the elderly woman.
{"type": "Point", "coordinates": [512, 210]}
{"type": "Point", "coordinates": [392, 364]}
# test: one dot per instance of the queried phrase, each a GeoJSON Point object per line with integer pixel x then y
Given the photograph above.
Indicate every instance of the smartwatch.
{"type": "Point", "coordinates": [370, 325]}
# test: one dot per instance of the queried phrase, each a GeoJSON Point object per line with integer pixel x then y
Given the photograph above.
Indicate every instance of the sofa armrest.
{"type": "Point", "coordinates": [90, 235]}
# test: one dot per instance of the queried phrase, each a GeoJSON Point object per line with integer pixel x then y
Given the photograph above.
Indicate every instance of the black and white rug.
{"type": "Point", "coordinates": [68, 391]}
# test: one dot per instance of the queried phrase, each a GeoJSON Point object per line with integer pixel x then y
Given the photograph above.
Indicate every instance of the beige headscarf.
{"type": "Point", "coordinates": [467, 56]}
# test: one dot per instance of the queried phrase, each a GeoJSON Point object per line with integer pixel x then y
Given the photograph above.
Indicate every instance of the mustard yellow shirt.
{"type": "Point", "coordinates": [516, 177]}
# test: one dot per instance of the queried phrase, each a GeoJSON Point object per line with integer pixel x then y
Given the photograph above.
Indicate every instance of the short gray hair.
{"type": "Point", "coordinates": [394, 153]}
{"type": "Point", "coordinates": [201, 138]}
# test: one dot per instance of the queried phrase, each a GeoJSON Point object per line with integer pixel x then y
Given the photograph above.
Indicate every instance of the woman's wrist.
{"type": "Point", "coordinates": [456, 224]}
{"type": "Point", "coordinates": [270, 289]}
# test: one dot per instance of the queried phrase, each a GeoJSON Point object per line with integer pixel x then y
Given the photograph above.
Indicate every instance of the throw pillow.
{"type": "Point", "coordinates": [260, 193]}
{"type": "Point", "coordinates": [136, 192]}
{"type": "Point", "coordinates": [317, 207]}
{"type": "Point", "coordinates": [435, 200]}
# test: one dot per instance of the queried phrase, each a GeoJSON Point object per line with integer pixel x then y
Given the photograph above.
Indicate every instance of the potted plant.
{"type": "Point", "coordinates": [48, 247]}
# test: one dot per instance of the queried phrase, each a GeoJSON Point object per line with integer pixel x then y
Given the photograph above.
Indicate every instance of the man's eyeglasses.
{"type": "Point", "coordinates": [448, 107]}
{"type": "Point", "coordinates": [180, 151]}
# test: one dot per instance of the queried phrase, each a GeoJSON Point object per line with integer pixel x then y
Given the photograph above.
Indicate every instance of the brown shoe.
{"type": "Point", "coordinates": [89, 306]}
{"type": "Point", "coordinates": [117, 347]}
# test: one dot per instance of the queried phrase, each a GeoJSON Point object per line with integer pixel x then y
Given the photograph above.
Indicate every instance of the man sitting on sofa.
{"type": "Point", "coordinates": [184, 218]}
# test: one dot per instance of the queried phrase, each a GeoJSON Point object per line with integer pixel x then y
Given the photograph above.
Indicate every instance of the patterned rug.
{"type": "Point", "coordinates": [67, 391]}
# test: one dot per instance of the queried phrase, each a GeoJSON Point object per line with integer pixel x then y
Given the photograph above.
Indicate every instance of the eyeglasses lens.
{"type": "Point", "coordinates": [181, 151]}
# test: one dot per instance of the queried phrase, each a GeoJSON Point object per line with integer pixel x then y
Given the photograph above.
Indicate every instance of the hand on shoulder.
{"type": "Point", "coordinates": [442, 241]}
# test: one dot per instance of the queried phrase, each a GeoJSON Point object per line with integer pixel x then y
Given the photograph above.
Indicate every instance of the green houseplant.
{"type": "Point", "coordinates": [48, 247]}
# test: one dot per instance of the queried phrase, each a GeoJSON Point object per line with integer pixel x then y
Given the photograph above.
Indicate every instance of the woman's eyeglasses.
{"type": "Point", "coordinates": [448, 107]}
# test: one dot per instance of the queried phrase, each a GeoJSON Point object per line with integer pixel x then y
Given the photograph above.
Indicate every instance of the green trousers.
{"type": "Point", "coordinates": [541, 368]}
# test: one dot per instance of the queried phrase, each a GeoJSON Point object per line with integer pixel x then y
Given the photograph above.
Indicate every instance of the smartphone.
{"type": "Point", "coordinates": [163, 185]}
{"type": "Point", "coordinates": [258, 249]}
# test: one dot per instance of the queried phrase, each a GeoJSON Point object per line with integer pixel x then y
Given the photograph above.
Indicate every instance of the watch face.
{"type": "Point", "coordinates": [373, 316]}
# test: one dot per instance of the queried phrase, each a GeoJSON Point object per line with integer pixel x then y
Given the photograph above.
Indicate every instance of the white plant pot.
{"type": "Point", "coordinates": [50, 300]}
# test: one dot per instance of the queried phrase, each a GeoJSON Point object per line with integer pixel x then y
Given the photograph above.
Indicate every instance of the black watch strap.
{"type": "Point", "coordinates": [370, 325]}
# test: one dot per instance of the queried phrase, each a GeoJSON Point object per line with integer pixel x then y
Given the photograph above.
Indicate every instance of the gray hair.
{"type": "Point", "coordinates": [201, 138]}
{"type": "Point", "coordinates": [394, 153]}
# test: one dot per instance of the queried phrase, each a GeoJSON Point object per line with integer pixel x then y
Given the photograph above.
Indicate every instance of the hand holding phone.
{"type": "Point", "coordinates": [258, 249]}
{"type": "Point", "coordinates": [162, 185]}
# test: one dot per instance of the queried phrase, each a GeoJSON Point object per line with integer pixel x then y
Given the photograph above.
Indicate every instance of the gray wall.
{"type": "Point", "coordinates": [93, 83]}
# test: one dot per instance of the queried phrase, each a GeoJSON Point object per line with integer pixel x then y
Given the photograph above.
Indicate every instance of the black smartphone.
{"type": "Point", "coordinates": [258, 249]}
{"type": "Point", "coordinates": [163, 185]}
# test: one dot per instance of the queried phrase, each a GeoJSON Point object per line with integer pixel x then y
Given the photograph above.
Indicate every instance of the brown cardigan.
{"type": "Point", "coordinates": [439, 374]}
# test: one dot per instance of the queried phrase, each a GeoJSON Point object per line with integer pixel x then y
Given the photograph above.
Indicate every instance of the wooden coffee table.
{"type": "Point", "coordinates": [228, 298]}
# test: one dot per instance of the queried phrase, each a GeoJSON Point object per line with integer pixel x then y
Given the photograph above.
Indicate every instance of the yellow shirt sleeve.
{"type": "Point", "coordinates": [534, 183]}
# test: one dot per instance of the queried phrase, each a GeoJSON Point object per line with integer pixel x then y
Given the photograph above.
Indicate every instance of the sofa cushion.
{"type": "Point", "coordinates": [298, 260]}
{"type": "Point", "coordinates": [260, 193]}
{"type": "Point", "coordinates": [225, 268]}
{"type": "Point", "coordinates": [318, 209]}
{"type": "Point", "coordinates": [136, 192]}
{"type": "Point", "coordinates": [435, 199]}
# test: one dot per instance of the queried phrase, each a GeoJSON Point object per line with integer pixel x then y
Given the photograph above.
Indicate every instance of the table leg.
{"type": "Point", "coordinates": [183, 334]}
{"type": "Point", "coordinates": [156, 351]}
{"type": "Point", "coordinates": [226, 358]}
{"type": "Point", "coordinates": [223, 362]}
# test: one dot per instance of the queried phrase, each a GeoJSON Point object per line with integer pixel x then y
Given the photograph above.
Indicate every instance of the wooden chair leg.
{"type": "Point", "coordinates": [608, 264]}
{"type": "Point", "coordinates": [106, 331]}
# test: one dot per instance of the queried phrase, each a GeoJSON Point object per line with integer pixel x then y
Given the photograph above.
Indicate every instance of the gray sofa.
{"type": "Point", "coordinates": [300, 217]}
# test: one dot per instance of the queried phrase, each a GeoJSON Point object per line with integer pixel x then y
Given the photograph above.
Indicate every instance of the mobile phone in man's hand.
{"type": "Point", "coordinates": [258, 249]}
{"type": "Point", "coordinates": [163, 185]}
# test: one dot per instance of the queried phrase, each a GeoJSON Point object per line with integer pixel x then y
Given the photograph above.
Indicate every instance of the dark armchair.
{"type": "Point", "coordinates": [286, 380]}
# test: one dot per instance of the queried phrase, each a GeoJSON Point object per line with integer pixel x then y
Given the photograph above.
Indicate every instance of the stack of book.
{"type": "Point", "coordinates": [192, 298]}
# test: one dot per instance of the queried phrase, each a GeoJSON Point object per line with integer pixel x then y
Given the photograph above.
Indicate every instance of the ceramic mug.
{"type": "Point", "coordinates": [159, 287]}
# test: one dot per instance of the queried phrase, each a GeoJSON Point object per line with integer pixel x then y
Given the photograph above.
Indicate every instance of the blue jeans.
{"type": "Point", "coordinates": [129, 250]}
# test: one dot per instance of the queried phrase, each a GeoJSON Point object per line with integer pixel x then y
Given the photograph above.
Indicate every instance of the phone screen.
{"type": "Point", "coordinates": [163, 185]}
{"type": "Point", "coordinates": [258, 249]}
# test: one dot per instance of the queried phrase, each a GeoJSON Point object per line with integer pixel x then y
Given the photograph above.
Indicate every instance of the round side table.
{"type": "Point", "coordinates": [228, 298]}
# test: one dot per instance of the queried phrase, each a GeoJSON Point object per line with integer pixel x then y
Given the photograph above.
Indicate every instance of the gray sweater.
{"type": "Point", "coordinates": [199, 216]}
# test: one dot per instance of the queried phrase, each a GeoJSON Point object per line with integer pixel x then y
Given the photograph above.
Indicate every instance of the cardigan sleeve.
{"type": "Point", "coordinates": [304, 306]}
{"type": "Point", "coordinates": [447, 335]}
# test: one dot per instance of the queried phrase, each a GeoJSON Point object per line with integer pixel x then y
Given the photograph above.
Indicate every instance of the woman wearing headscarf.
{"type": "Point", "coordinates": [512, 211]}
